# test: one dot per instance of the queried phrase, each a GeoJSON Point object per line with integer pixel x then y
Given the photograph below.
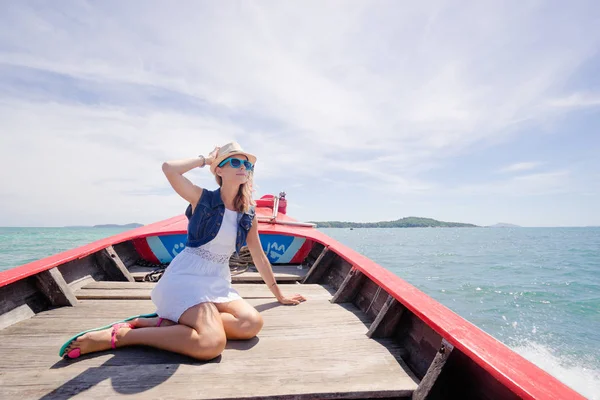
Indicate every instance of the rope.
{"type": "Point", "coordinates": [237, 265]}
{"type": "Point", "coordinates": [240, 264]}
{"type": "Point", "coordinates": [155, 275]}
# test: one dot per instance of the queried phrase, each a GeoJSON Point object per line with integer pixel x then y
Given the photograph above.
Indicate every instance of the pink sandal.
{"type": "Point", "coordinates": [160, 320]}
{"type": "Point", "coordinates": [113, 335]}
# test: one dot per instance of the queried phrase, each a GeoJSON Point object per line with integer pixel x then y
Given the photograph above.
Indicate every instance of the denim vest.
{"type": "Point", "coordinates": [204, 223]}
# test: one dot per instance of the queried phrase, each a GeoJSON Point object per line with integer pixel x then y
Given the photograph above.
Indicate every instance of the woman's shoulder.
{"type": "Point", "coordinates": [209, 192]}
{"type": "Point", "coordinates": [208, 195]}
{"type": "Point", "coordinates": [206, 199]}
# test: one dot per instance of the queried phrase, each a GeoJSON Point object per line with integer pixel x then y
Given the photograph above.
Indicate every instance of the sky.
{"type": "Point", "coordinates": [476, 112]}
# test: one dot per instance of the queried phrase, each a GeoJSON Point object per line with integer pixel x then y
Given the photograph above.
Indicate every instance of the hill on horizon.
{"type": "Point", "coordinates": [504, 225]}
{"type": "Point", "coordinates": [407, 222]}
{"type": "Point", "coordinates": [132, 225]}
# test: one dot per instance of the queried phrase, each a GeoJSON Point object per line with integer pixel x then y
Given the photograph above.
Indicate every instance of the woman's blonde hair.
{"type": "Point", "coordinates": [243, 200]}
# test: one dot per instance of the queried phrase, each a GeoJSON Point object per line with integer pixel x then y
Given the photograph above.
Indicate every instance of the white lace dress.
{"type": "Point", "coordinates": [198, 274]}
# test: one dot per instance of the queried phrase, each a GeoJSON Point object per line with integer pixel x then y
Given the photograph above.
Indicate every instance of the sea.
{"type": "Point", "coordinates": [535, 289]}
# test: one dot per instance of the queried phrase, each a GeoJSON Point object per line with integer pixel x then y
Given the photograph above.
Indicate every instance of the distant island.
{"type": "Point", "coordinates": [133, 225]}
{"type": "Point", "coordinates": [408, 222]}
{"type": "Point", "coordinates": [504, 225]}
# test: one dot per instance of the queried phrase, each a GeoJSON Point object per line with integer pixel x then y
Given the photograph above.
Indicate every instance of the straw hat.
{"type": "Point", "coordinates": [228, 150]}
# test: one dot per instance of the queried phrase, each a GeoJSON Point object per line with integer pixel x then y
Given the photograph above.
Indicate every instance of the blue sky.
{"type": "Point", "coordinates": [360, 111]}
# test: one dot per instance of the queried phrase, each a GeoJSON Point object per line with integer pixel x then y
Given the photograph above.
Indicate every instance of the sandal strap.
{"type": "Point", "coordinates": [160, 320]}
{"type": "Point", "coordinates": [113, 334]}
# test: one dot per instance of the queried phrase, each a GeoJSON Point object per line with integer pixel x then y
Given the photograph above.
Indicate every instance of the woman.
{"type": "Point", "coordinates": [197, 308]}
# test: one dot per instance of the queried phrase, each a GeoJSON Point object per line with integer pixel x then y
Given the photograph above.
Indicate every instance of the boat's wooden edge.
{"type": "Point", "coordinates": [429, 332]}
{"type": "Point", "coordinates": [168, 226]}
{"type": "Point", "coordinates": [478, 363]}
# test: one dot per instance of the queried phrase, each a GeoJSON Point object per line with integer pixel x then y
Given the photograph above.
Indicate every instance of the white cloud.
{"type": "Point", "coordinates": [522, 166]}
{"type": "Point", "coordinates": [525, 185]}
{"type": "Point", "coordinates": [373, 93]}
{"type": "Point", "coordinates": [576, 100]}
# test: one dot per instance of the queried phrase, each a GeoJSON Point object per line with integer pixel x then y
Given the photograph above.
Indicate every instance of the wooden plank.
{"type": "Point", "coordinates": [319, 266]}
{"type": "Point", "coordinates": [81, 282]}
{"type": "Point", "coordinates": [77, 269]}
{"type": "Point", "coordinates": [21, 292]}
{"type": "Point", "coordinates": [184, 379]}
{"type": "Point", "coordinates": [349, 287]}
{"type": "Point", "coordinates": [433, 372]}
{"type": "Point", "coordinates": [118, 285]}
{"type": "Point", "coordinates": [20, 300]}
{"type": "Point", "coordinates": [115, 290]}
{"type": "Point", "coordinates": [461, 378]}
{"type": "Point", "coordinates": [242, 288]}
{"type": "Point", "coordinates": [127, 253]}
{"type": "Point", "coordinates": [387, 319]}
{"type": "Point", "coordinates": [420, 342]}
{"type": "Point", "coordinates": [282, 350]}
{"type": "Point", "coordinates": [370, 298]}
{"type": "Point", "coordinates": [133, 294]}
{"type": "Point", "coordinates": [309, 314]}
{"type": "Point", "coordinates": [283, 273]}
{"type": "Point", "coordinates": [15, 315]}
{"type": "Point", "coordinates": [314, 350]}
{"type": "Point", "coordinates": [110, 261]}
{"type": "Point", "coordinates": [336, 272]}
{"type": "Point", "coordinates": [315, 249]}
{"type": "Point", "coordinates": [123, 308]}
{"type": "Point", "coordinates": [144, 294]}
{"type": "Point", "coordinates": [52, 284]}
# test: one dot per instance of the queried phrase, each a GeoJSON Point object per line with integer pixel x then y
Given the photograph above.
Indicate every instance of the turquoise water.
{"type": "Point", "coordinates": [19, 246]}
{"type": "Point", "coordinates": [535, 289]}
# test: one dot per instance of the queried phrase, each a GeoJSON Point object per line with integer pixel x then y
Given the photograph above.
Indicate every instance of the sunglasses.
{"type": "Point", "coordinates": [237, 162]}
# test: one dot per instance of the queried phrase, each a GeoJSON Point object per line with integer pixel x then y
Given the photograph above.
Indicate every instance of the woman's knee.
{"type": "Point", "coordinates": [252, 324]}
{"type": "Point", "coordinates": [257, 323]}
{"type": "Point", "coordinates": [208, 346]}
{"type": "Point", "coordinates": [208, 340]}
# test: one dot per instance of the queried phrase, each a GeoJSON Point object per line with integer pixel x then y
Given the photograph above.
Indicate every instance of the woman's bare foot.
{"type": "Point", "coordinates": [150, 322]}
{"type": "Point", "coordinates": [98, 340]}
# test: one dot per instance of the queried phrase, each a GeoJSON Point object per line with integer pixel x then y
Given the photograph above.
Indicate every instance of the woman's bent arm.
{"type": "Point", "coordinates": [174, 171]}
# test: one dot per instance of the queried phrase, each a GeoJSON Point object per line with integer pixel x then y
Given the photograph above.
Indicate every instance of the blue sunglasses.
{"type": "Point", "coordinates": [237, 162]}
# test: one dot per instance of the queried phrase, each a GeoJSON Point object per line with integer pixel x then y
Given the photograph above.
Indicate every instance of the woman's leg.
{"type": "Point", "coordinates": [199, 334]}
{"type": "Point", "coordinates": [151, 322]}
{"type": "Point", "coordinates": [240, 319]}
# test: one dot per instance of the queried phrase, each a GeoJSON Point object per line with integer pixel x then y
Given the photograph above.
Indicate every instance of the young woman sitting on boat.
{"type": "Point", "coordinates": [197, 307]}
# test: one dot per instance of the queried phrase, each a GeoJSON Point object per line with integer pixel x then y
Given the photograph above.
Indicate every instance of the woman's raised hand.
{"type": "Point", "coordinates": [212, 155]}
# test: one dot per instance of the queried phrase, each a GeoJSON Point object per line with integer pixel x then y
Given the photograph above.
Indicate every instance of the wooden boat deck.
{"type": "Point", "coordinates": [317, 349]}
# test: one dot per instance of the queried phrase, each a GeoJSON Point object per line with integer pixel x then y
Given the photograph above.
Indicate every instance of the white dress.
{"type": "Point", "coordinates": [199, 274]}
